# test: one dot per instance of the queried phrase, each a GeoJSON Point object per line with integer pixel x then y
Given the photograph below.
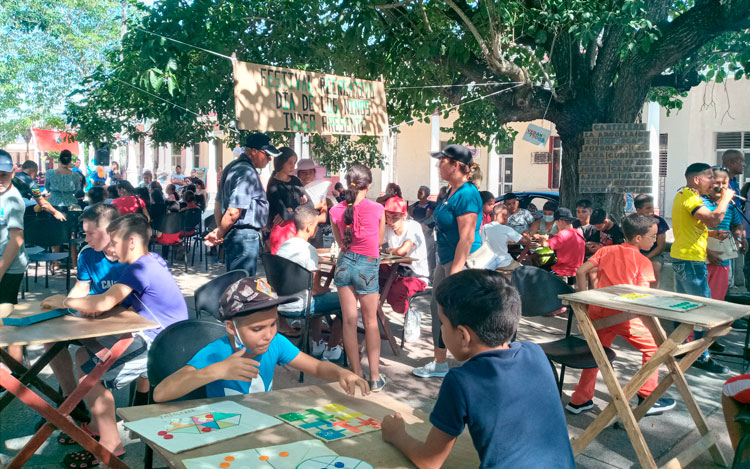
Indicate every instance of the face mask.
{"type": "Point", "coordinates": [549, 218]}
{"type": "Point", "coordinates": [237, 340]}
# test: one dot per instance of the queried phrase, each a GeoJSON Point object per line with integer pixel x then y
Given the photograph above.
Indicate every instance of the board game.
{"type": "Point", "coordinates": [331, 422]}
{"type": "Point", "coordinates": [286, 456]}
{"type": "Point", "coordinates": [670, 303]}
{"type": "Point", "coordinates": [200, 426]}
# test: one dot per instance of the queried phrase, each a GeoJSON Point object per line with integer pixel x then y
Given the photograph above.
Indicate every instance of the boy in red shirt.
{"type": "Point", "coordinates": [621, 264]}
{"type": "Point", "coordinates": [568, 245]}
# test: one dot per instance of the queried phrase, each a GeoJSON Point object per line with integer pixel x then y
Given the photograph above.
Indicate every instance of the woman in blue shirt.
{"type": "Point", "coordinates": [458, 219]}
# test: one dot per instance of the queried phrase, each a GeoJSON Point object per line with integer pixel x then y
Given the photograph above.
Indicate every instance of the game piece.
{"type": "Point", "coordinates": [334, 462]}
{"type": "Point", "coordinates": [286, 456]}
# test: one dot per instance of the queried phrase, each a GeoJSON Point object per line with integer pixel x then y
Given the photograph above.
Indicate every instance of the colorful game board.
{"type": "Point", "coordinates": [334, 462]}
{"type": "Point", "coordinates": [199, 426]}
{"type": "Point", "coordinates": [286, 456]}
{"type": "Point", "coordinates": [676, 304]}
{"type": "Point", "coordinates": [331, 422]}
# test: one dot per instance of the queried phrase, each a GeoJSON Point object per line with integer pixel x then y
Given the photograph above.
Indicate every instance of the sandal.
{"type": "Point", "coordinates": [83, 459]}
{"type": "Point", "coordinates": [67, 440]}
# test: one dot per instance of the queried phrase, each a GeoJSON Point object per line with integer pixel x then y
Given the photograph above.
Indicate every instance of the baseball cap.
{"type": "Point", "coordinates": [563, 213]}
{"type": "Point", "coordinates": [305, 164]}
{"type": "Point", "coordinates": [454, 152]}
{"type": "Point", "coordinates": [261, 142]}
{"type": "Point", "coordinates": [249, 295]}
{"type": "Point", "coordinates": [395, 204]}
{"type": "Point", "coordinates": [598, 216]}
{"type": "Point", "coordinates": [6, 162]}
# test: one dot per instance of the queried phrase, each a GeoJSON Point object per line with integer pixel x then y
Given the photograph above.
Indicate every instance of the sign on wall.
{"type": "Point", "coordinates": [616, 159]}
{"type": "Point", "coordinates": [285, 100]}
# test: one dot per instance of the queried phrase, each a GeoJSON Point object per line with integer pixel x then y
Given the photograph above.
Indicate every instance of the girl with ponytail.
{"type": "Point", "coordinates": [358, 227]}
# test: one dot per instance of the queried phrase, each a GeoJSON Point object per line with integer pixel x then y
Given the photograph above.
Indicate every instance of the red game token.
{"type": "Point", "coordinates": [162, 433]}
{"type": "Point", "coordinates": [168, 437]}
{"type": "Point", "coordinates": [205, 429]}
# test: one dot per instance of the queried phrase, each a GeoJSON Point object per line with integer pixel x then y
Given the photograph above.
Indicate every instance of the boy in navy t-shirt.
{"type": "Point", "coordinates": [505, 392]}
{"type": "Point", "coordinates": [146, 286]}
{"type": "Point", "coordinates": [244, 361]}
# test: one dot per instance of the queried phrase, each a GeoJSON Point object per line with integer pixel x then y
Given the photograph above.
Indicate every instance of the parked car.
{"type": "Point", "coordinates": [538, 198]}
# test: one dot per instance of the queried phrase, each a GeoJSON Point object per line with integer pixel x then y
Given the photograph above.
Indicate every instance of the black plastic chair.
{"type": "Point", "coordinates": [289, 278]}
{"type": "Point", "coordinates": [47, 232]}
{"type": "Point", "coordinates": [539, 292]}
{"type": "Point", "coordinates": [171, 350]}
{"type": "Point", "coordinates": [209, 224]}
{"type": "Point", "coordinates": [171, 223]}
{"type": "Point", "coordinates": [191, 223]}
{"type": "Point", "coordinates": [207, 295]}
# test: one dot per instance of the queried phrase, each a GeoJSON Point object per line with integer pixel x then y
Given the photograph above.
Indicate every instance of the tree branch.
{"type": "Point", "coordinates": [389, 6]}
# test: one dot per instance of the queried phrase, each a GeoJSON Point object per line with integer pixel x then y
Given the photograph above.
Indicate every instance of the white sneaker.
{"type": "Point", "coordinates": [412, 324]}
{"type": "Point", "coordinates": [333, 354]}
{"type": "Point", "coordinates": [318, 348]}
{"type": "Point", "coordinates": [431, 370]}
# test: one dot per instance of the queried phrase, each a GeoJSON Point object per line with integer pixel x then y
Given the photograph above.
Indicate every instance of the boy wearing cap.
{"type": "Point", "coordinates": [13, 260]}
{"type": "Point", "coordinates": [568, 245]}
{"type": "Point", "coordinates": [244, 361]}
{"type": "Point", "coordinates": [609, 231]}
{"type": "Point", "coordinates": [244, 205]}
{"type": "Point", "coordinates": [405, 238]}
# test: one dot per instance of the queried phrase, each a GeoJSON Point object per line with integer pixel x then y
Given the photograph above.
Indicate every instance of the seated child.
{"type": "Point", "coordinates": [168, 239]}
{"type": "Point", "coordinates": [244, 361]}
{"type": "Point", "coordinates": [498, 235]}
{"type": "Point", "coordinates": [488, 202]}
{"type": "Point", "coordinates": [504, 391]}
{"type": "Point", "coordinates": [405, 238]}
{"type": "Point", "coordinates": [568, 245]}
{"type": "Point", "coordinates": [147, 287]}
{"type": "Point", "coordinates": [298, 249]}
{"type": "Point", "coordinates": [621, 264]}
{"type": "Point", "coordinates": [609, 231]}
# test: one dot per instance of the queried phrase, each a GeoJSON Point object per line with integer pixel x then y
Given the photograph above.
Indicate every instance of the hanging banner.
{"type": "Point", "coordinates": [284, 100]}
{"type": "Point", "coordinates": [537, 135]}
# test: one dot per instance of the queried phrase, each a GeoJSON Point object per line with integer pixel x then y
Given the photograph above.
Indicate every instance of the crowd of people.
{"type": "Point", "coordinates": [464, 245]}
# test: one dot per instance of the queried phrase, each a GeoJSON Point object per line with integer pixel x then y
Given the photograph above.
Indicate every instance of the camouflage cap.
{"type": "Point", "coordinates": [249, 295]}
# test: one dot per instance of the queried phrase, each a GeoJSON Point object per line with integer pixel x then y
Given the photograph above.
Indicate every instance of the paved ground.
{"type": "Point", "coordinates": [666, 434]}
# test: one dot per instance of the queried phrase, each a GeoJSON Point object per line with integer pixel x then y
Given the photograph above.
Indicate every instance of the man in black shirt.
{"type": "Point", "coordinates": [609, 232]}
{"type": "Point", "coordinates": [24, 182]}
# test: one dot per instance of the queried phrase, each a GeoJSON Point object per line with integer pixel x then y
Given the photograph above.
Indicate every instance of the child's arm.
{"type": "Point", "coordinates": [402, 250]}
{"type": "Point", "coordinates": [581, 275]}
{"type": "Point", "coordinates": [382, 230]}
{"type": "Point", "coordinates": [15, 241]}
{"type": "Point", "coordinates": [79, 290]}
{"type": "Point", "coordinates": [188, 378]}
{"type": "Point", "coordinates": [92, 304]}
{"type": "Point", "coordinates": [330, 372]}
{"type": "Point", "coordinates": [431, 453]}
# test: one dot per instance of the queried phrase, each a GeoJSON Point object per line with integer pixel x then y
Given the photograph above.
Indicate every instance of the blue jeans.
{"type": "Point", "coordinates": [691, 278]}
{"type": "Point", "coordinates": [241, 248]}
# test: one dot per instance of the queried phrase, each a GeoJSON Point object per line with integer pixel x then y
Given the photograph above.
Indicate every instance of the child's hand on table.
{"type": "Point", "coordinates": [349, 382]}
{"type": "Point", "coordinates": [393, 427]}
{"type": "Point", "coordinates": [53, 302]}
{"type": "Point", "coordinates": [236, 367]}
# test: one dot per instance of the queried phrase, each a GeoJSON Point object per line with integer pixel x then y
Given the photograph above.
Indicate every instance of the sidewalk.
{"type": "Point", "coordinates": [666, 435]}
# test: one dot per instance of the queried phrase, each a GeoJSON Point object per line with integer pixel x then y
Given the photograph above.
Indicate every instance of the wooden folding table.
{"type": "Point", "coordinates": [714, 316]}
{"type": "Point", "coordinates": [61, 331]}
{"type": "Point", "coordinates": [368, 447]}
{"type": "Point", "coordinates": [385, 259]}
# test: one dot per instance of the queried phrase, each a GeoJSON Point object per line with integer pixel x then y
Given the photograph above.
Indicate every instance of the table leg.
{"type": "Point", "coordinates": [677, 376]}
{"type": "Point", "coordinates": [58, 417]}
{"type": "Point", "coordinates": [30, 377]}
{"type": "Point", "coordinates": [619, 400]}
{"type": "Point", "coordinates": [381, 314]}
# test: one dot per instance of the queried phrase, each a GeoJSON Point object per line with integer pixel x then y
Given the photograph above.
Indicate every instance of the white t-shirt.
{"type": "Point", "coordinates": [412, 232]}
{"type": "Point", "coordinates": [304, 254]}
{"type": "Point", "coordinates": [497, 236]}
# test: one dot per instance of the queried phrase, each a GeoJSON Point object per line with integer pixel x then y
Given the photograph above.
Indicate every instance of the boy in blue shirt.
{"type": "Point", "coordinates": [505, 392]}
{"type": "Point", "coordinates": [146, 286]}
{"type": "Point", "coordinates": [244, 361]}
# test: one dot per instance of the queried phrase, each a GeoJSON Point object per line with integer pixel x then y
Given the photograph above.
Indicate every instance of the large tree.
{"type": "Point", "coordinates": [575, 62]}
{"type": "Point", "coordinates": [46, 48]}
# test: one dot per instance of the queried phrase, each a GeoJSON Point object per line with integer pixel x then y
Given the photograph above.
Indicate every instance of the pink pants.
{"type": "Point", "coordinates": [718, 281]}
{"type": "Point", "coordinates": [636, 333]}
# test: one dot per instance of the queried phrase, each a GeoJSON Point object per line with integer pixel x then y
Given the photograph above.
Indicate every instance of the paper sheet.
{"type": "Point", "coordinates": [317, 191]}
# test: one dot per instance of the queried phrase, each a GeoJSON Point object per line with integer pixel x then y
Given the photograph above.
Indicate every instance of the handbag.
{"type": "Point", "coordinates": [480, 258]}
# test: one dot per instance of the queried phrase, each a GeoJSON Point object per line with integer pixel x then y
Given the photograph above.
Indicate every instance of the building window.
{"type": "Point", "coordinates": [197, 155]}
{"type": "Point", "coordinates": [176, 156]}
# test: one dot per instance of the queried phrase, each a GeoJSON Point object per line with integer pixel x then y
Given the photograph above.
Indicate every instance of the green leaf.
{"type": "Point", "coordinates": [541, 36]}
{"type": "Point", "coordinates": [171, 85]}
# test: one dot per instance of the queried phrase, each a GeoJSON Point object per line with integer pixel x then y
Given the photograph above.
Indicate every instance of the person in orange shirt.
{"type": "Point", "coordinates": [621, 264]}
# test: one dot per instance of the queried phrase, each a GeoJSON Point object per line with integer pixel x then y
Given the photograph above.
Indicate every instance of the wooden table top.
{"type": "Point", "coordinates": [69, 327]}
{"type": "Point", "coordinates": [368, 447]}
{"type": "Point", "coordinates": [713, 313]}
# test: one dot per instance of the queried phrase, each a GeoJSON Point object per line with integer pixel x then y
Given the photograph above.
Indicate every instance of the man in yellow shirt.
{"type": "Point", "coordinates": [690, 222]}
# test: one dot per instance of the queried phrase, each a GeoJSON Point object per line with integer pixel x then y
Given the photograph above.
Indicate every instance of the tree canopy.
{"type": "Point", "coordinates": [46, 49]}
{"type": "Point", "coordinates": [575, 62]}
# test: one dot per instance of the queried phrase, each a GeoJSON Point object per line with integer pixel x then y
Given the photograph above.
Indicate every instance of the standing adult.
{"type": "Point", "coordinates": [285, 193]}
{"type": "Point", "coordinates": [24, 181]}
{"type": "Point", "coordinates": [458, 218]}
{"type": "Point", "coordinates": [734, 162]}
{"type": "Point", "coordinates": [519, 218]}
{"type": "Point", "coordinates": [177, 178]}
{"type": "Point", "coordinates": [115, 173]}
{"type": "Point", "coordinates": [306, 171]}
{"type": "Point", "coordinates": [690, 222]}
{"type": "Point", "coordinates": [62, 183]}
{"type": "Point", "coordinates": [244, 205]}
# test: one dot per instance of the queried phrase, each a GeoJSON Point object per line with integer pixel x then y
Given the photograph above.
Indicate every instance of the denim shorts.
{"type": "Point", "coordinates": [358, 271]}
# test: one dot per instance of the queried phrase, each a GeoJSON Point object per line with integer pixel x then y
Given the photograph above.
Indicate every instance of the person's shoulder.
{"type": "Point", "coordinates": [413, 225]}
{"type": "Point", "coordinates": [213, 352]}
{"type": "Point", "coordinates": [89, 255]}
